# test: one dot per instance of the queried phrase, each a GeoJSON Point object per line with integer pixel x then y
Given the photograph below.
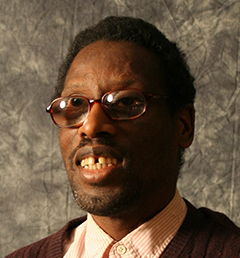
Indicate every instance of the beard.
{"type": "Point", "coordinates": [111, 203]}
{"type": "Point", "coordinates": [115, 201]}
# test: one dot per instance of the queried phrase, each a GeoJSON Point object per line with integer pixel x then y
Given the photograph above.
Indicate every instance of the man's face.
{"type": "Point", "coordinates": [140, 156]}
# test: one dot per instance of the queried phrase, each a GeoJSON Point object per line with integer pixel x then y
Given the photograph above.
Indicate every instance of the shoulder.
{"type": "Point", "coordinates": [205, 234]}
{"type": "Point", "coordinates": [220, 220]}
{"type": "Point", "coordinates": [208, 220]}
{"type": "Point", "coordinates": [213, 232]}
{"type": "Point", "coordinates": [51, 246]}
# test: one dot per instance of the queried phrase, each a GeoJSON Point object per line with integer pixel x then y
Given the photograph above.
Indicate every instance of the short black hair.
{"type": "Point", "coordinates": [179, 81]}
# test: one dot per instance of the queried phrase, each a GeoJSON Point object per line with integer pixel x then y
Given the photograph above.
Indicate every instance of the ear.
{"type": "Point", "coordinates": [186, 126]}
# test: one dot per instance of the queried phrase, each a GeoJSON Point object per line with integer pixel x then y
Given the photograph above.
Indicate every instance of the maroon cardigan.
{"type": "Point", "coordinates": [204, 233]}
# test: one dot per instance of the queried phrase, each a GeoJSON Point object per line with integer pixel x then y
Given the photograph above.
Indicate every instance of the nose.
{"type": "Point", "coordinates": [98, 124]}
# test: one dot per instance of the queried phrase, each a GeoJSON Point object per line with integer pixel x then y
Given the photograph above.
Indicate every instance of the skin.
{"type": "Point", "coordinates": [143, 182]}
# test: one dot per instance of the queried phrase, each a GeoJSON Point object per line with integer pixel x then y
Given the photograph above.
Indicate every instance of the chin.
{"type": "Point", "coordinates": [109, 204]}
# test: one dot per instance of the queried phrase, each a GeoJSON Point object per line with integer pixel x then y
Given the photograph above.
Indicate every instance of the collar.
{"type": "Point", "coordinates": [148, 240]}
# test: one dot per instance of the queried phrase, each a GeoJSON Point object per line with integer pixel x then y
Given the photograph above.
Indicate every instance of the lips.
{"type": "Point", "coordinates": [97, 164]}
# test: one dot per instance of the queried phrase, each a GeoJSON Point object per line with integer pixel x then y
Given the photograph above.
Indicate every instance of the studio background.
{"type": "Point", "coordinates": [36, 198]}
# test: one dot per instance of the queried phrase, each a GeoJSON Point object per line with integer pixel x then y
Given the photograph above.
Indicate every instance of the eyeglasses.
{"type": "Point", "coordinates": [125, 104]}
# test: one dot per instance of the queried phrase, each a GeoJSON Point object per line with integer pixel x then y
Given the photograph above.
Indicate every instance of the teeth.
{"type": "Point", "coordinates": [101, 162]}
{"type": "Point", "coordinates": [91, 160]}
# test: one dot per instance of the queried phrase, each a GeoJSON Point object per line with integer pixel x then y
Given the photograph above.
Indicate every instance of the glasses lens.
{"type": "Point", "coordinates": [125, 104]}
{"type": "Point", "coordinates": [69, 111]}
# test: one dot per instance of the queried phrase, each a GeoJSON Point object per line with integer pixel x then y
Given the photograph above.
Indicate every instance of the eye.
{"type": "Point", "coordinates": [76, 102]}
{"type": "Point", "coordinates": [127, 102]}
{"type": "Point", "coordinates": [75, 110]}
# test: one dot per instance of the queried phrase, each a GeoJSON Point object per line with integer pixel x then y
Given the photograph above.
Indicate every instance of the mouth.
{"type": "Point", "coordinates": [98, 164]}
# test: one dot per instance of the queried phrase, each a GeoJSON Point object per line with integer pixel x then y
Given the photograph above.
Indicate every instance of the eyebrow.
{"type": "Point", "coordinates": [112, 82]}
{"type": "Point", "coordinates": [124, 82]}
{"type": "Point", "coordinates": [75, 85]}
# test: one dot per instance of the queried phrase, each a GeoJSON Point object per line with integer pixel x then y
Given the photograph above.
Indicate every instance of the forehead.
{"type": "Point", "coordinates": [109, 64]}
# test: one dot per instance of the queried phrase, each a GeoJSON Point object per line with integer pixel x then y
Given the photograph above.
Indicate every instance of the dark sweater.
{"type": "Point", "coordinates": [204, 233]}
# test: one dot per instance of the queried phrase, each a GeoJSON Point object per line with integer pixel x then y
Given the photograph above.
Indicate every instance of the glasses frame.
{"type": "Point", "coordinates": [147, 96]}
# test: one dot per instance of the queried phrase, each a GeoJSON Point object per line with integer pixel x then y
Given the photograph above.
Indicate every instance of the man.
{"type": "Point", "coordinates": [124, 105]}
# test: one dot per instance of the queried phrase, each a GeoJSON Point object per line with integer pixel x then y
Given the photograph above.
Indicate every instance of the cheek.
{"type": "Point", "coordinates": [150, 134]}
{"type": "Point", "coordinates": [66, 140]}
{"type": "Point", "coordinates": [153, 144]}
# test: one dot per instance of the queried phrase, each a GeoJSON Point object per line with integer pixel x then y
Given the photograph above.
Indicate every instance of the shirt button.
{"type": "Point", "coordinates": [121, 249]}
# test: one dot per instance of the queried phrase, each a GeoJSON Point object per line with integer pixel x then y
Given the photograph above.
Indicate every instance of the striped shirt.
{"type": "Point", "coordinates": [149, 240]}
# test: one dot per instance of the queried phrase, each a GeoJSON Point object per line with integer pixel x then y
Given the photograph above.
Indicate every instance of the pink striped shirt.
{"type": "Point", "coordinates": [148, 240]}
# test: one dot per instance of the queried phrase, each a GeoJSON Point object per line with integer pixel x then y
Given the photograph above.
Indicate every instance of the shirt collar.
{"type": "Point", "coordinates": [148, 240]}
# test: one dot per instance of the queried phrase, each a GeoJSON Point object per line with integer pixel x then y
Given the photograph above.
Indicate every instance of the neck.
{"type": "Point", "coordinates": [119, 226]}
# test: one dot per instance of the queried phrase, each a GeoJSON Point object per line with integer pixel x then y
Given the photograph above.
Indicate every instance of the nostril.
{"type": "Point", "coordinates": [97, 135]}
{"type": "Point", "coordinates": [83, 135]}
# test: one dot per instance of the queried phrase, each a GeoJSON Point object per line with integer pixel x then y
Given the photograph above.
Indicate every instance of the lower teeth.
{"type": "Point", "coordinates": [97, 166]}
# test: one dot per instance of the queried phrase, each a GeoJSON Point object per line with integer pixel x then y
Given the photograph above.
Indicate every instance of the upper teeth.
{"type": "Point", "coordinates": [101, 162]}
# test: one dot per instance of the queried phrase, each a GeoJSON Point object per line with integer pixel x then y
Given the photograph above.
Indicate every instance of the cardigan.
{"type": "Point", "coordinates": [203, 234]}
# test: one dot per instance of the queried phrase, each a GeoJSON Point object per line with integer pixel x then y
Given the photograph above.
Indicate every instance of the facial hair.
{"type": "Point", "coordinates": [111, 203]}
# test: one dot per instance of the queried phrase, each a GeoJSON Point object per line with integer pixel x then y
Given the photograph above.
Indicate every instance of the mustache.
{"type": "Point", "coordinates": [97, 141]}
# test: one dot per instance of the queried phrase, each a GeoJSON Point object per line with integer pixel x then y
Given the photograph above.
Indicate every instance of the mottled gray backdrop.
{"type": "Point", "coordinates": [34, 35]}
